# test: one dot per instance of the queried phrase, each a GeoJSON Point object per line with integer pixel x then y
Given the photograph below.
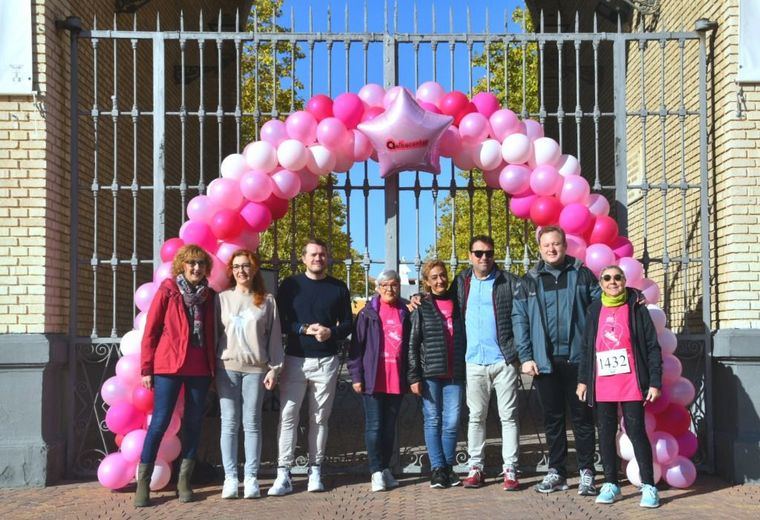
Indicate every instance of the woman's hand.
{"type": "Point", "coordinates": [416, 388]}
{"type": "Point", "coordinates": [270, 380]}
{"type": "Point", "coordinates": [580, 391]}
{"type": "Point", "coordinates": [653, 394]}
{"type": "Point", "coordinates": [147, 382]}
{"type": "Point", "coordinates": [358, 387]}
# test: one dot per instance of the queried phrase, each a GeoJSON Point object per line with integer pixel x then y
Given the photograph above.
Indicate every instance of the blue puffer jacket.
{"type": "Point", "coordinates": [532, 326]}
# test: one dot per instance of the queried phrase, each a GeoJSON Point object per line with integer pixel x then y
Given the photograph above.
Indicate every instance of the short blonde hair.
{"type": "Point", "coordinates": [190, 252]}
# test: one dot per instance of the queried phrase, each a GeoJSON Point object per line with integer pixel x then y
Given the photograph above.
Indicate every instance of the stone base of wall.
{"type": "Point", "coordinates": [33, 405]}
{"type": "Point", "coordinates": [736, 401]}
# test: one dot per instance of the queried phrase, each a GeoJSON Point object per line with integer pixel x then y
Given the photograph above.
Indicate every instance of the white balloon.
{"type": "Point", "coordinates": [487, 155]}
{"type": "Point", "coordinates": [546, 151]}
{"type": "Point", "coordinates": [260, 156]}
{"type": "Point", "coordinates": [516, 148]}
{"type": "Point", "coordinates": [233, 166]}
{"type": "Point", "coordinates": [130, 343]}
{"type": "Point", "coordinates": [320, 160]}
{"type": "Point", "coordinates": [568, 165]}
{"type": "Point", "coordinates": [291, 154]}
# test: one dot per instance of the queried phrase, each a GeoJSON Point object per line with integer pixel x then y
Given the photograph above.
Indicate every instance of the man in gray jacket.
{"type": "Point", "coordinates": [549, 317]}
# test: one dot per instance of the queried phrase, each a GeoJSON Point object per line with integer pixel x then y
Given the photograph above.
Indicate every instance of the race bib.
{"type": "Point", "coordinates": [612, 362]}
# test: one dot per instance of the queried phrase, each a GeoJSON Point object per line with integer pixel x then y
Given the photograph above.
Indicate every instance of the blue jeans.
{"type": "Point", "coordinates": [380, 419]}
{"type": "Point", "coordinates": [441, 403]}
{"type": "Point", "coordinates": [165, 392]}
{"type": "Point", "coordinates": [241, 395]}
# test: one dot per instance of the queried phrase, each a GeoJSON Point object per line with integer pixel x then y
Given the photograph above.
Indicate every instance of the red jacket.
{"type": "Point", "coordinates": [167, 332]}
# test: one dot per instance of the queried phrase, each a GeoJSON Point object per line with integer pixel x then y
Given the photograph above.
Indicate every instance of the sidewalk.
{"type": "Point", "coordinates": [349, 497]}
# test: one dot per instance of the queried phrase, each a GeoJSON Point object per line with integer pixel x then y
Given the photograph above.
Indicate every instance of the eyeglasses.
{"type": "Point", "coordinates": [616, 277]}
{"type": "Point", "coordinates": [389, 286]}
{"type": "Point", "coordinates": [479, 253]}
{"type": "Point", "coordinates": [238, 267]}
{"type": "Point", "coordinates": [199, 263]}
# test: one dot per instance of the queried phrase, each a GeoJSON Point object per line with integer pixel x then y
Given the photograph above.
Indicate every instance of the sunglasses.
{"type": "Point", "coordinates": [200, 263]}
{"type": "Point", "coordinates": [616, 277]}
{"type": "Point", "coordinates": [479, 253]}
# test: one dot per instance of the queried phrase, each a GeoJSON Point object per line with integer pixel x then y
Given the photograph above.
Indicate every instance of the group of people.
{"type": "Point", "coordinates": [453, 342]}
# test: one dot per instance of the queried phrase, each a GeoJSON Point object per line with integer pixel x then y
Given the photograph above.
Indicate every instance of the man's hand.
{"type": "Point", "coordinates": [530, 368]}
{"type": "Point", "coordinates": [147, 382]}
{"type": "Point", "coordinates": [416, 388]}
{"type": "Point", "coordinates": [358, 387]}
{"type": "Point", "coordinates": [414, 302]}
{"type": "Point", "coordinates": [580, 391]}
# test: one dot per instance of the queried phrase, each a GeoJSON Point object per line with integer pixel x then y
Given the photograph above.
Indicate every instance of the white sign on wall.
{"type": "Point", "coordinates": [749, 43]}
{"type": "Point", "coordinates": [16, 47]}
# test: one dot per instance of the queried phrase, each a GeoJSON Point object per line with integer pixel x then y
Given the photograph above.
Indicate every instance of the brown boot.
{"type": "Point", "coordinates": [183, 481]}
{"type": "Point", "coordinates": [142, 494]}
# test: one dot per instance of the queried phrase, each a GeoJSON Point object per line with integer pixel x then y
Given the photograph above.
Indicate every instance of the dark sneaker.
{"type": "Point", "coordinates": [475, 478]}
{"type": "Point", "coordinates": [452, 476]}
{"type": "Point", "coordinates": [439, 479]}
{"type": "Point", "coordinates": [553, 481]}
{"type": "Point", "coordinates": [586, 486]}
{"type": "Point", "coordinates": [510, 479]}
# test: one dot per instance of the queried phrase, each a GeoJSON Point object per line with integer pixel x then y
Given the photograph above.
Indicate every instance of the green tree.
{"type": "Point", "coordinates": [270, 90]}
{"type": "Point", "coordinates": [477, 209]}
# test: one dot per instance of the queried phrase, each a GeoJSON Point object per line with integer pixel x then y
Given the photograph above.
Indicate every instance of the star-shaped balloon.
{"type": "Point", "coordinates": [406, 136]}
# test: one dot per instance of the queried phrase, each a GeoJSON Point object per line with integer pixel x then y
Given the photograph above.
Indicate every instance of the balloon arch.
{"type": "Point", "coordinates": [402, 131]}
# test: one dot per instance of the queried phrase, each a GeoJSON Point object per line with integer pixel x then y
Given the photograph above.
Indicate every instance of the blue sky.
{"type": "Point", "coordinates": [450, 16]}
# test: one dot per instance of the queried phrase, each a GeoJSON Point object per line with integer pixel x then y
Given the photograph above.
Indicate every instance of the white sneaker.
{"type": "Point", "coordinates": [315, 480]}
{"type": "Point", "coordinates": [230, 488]}
{"type": "Point", "coordinates": [282, 484]}
{"type": "Point", "coordinates": [390, 480]}
{"type": "Point", "coordinates": [251, 488]}
{"type": "Point", "coordinates": [378, 482]}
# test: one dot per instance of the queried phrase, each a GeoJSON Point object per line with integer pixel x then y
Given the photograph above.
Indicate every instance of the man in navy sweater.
{"type": "Point", "coordinates": [315, 311]}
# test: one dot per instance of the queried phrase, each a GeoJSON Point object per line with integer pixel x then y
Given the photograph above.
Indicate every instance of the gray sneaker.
{"type": "Point", "coordinates": [586, 486]}
{"type": "Point", "coordinates": [553, 481]}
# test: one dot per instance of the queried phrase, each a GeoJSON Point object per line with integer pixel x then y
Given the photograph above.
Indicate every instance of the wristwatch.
{"type": "Point", "coordinates": [303, 328]}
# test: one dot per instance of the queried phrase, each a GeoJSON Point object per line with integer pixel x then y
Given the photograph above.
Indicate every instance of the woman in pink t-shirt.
{"type": "Point", "coordinates": [621, 364]}
{"type": "Point", "coordinates": [377, 364]}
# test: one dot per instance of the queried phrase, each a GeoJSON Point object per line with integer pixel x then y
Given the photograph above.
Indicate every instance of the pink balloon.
{"type": "Point", "coordinates": [464, 159]}
{"type": "Point", "coordinates": [198, 233]}
{"type": "Point", "coordinates": [142, 399]}
{"type": "Point", "coordinates": [331, 132]}
{"type": "Point", "coordinates": [255, 186]}
{"type": "Point", "coordinates": [309, 181]}
{"type": "Point", "coordinates": [545, 210]}
{"type": "Point", "coordinates": [659, 319]}
{"type": "Point", "coordinates": [225, 193]}
{"type": "Point", "coordinates": [201, 209]}
{"type": "Point", "coordinates": [520, 206]}
{"type": "Point", "coordinates": [320, 106]}
{"type": "Point", "coordinates": [516, 148]}
{"type": "Point", "coordinates": [169, 448]}
{"type": "Point", "coordinates": [233, 166]}
{"type": "Point", "coordinates": [568, 165]}
{"type": "Point", "coordinates": [599, 256]}
{"type": "Point", "coordinates": [430, 107]}
{"type": "Point", "coordinates": [226, 224]}
{"type": "Point", "coordinates": [651, 290]}
{"type": "Point", "coordinates": [144, 295]}
{"type": "Point", "coordinates": [533, 129]}
{"type": "Point", "coordinates": [261, 156]}
{"type": "Point", "coordinates": [671, 368]}
{"type": "Point", "coordinates": [632, 269]}
{"type": "Point", "coordinates": [632, 472]}
{"type": "Point", "coordinates": [576, 246]}
{"type": "Point", "coordinates": [681, 473]}
{"type": "Point", "coordinates": [450, 143]}
{"type": "Point", "coordinates": [122, 417]}
{"type": "Point", "coordinates": [469, 108]}
{"type": "Point", "coordinates": [349, 108]}
{"type": "Point", "coordinates": [687, 444]}
{"type": "Point", "coordinates": [430, 92]}
{"type": "Point", "coordinates": [544, 180]}
{"type": "Point", "coordinates": [575, 189]}
{"type": "Point", "coordinates": [393, 93]}
{"type": "Point", "coordinates": [218, 278]}
{"type": "Point", "coordinates": [321, 160]}
{"type": "Point", "coordinates": [473, 128]}
{"type": "Point", "coordinates": [491, 178]}
{"type": "Point", "coordinates": [604, 231]}
{"type": "Point", "coordinates": [292, 154]}
{"type": "Point", "coordinates": [664, 447]}
{"type": "Point", "coordinates": [274, 132]}
{"type": "Point", "coordinates": [257, 215]}
{"type": "Point", "coordinates": [575, 219]}
{"type": "Point", "coordinates": [362, 146]}
{"type": "Point", "coordinates": [668, 341]}
{"type": "Point", "coordinates": [514, 178]}
{"type": "Point", "coordinates": [132, 445]}
{"type": "Point", "coordinates": [371, 113]}
{"type": "Point", "coordinates": [622, 247]}
{"type": "Point", "coordinates": [301, 125]}
{"type": "Point", "coordinates": [344, 154]}
{"type": "Point", "coordinates": [486, 103]}
{"type": "Point", "coordinates": [224, 253]}
{"type": "Point", "coordinates": [682, 391]}
{"type": "Point", "coordinates": [453, 103]}
{"type": "Point", "coordinates": [163, 272]}
{"type": "Point", "coordinates": [112, 471]}
{"type": "Point", "coordinates": [675, 419]}
{"type": "Point", "coordinates": [661, 403]}
{"type": "Point", "coordinates": [546, 151]}
{"type": "Point", "coordinates": [114, 390]}
{"type": "Point", "coordinates": [277, 206]}
{"type": "Point", "coordinates": [598, 204]}
{"type": "Point", "coordinates": [372, 94]}
{"type": "Point", "coordinates": [503, 122]}
{"type": "Point", "coordinates": [248, 238]}
{"type": "Point", "coordinates": [170, 248]}
{"type": "Point", "coordinates": [139, 321]}
{"type": "Point", "coordinates": [128, 369]}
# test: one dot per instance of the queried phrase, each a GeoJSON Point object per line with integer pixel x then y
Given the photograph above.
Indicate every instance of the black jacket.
{"type": "Point", "coordinates": [428, 352]}
{"type": "Point", "coordinates": [502, 306]}
{"type": "Point", "coordinates": [646, 350]}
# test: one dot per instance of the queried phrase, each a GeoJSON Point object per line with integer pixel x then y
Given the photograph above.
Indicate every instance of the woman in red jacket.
{"type": "Point", "coordinates": [178, 349]}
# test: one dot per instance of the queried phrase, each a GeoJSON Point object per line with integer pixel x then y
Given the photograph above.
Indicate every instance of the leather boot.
{"type": "Point", "coordinates": [142, 494]}
{"type": "Point", "coordinates": [183, 481]}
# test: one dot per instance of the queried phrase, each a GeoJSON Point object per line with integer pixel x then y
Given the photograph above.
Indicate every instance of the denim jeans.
{"type": "Point", "coordinates": [241, 395]}
{"type": "Point", "coordinates": [441, 403]}
{"type": "Point", "coordinates": [165, 392]}
{"type": "Point", "coordinates": [380, 420]}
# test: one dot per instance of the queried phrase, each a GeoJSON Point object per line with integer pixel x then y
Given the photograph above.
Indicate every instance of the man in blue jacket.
{"type": "Point", "coordinates": [548, 318]}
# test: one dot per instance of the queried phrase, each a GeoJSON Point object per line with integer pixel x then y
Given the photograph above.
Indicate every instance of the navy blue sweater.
{"type": "Point", "coordinates": [303, 301]}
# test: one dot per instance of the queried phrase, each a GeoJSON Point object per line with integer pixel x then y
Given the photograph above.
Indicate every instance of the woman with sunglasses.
{"type": "Point", "coordinates": [376, 362]}
{"type": "Point", "coordinates": [178, 349]}
{"type": "Point", "coordinates": [436, 370]}
{"type": "Point", "coordinates": [250, 358]}
{"type": "Point", "coordinates": [621, 365]}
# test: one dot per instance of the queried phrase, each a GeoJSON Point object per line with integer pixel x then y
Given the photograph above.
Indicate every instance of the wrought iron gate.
{"type": "Point", "coordinates": [155, 111]}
